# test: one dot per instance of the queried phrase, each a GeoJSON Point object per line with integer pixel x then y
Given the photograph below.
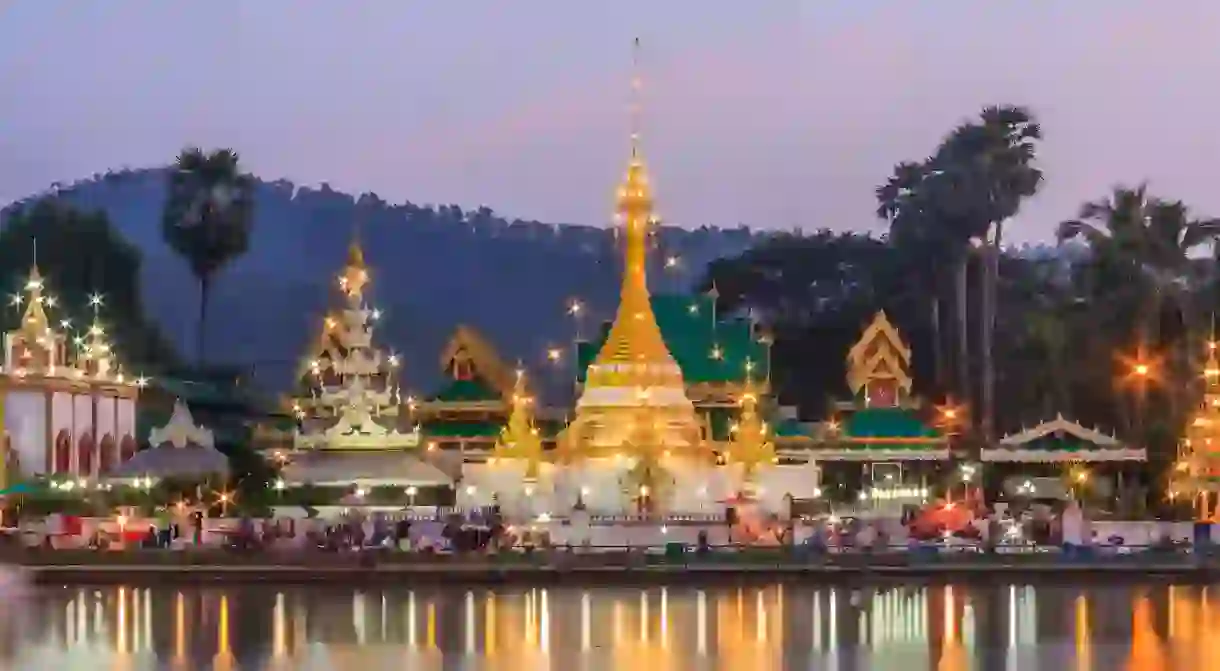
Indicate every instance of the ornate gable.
{"type": "Point", "coordinates": [1061, 440]}
{"type": "Point", "coordinates": [470, 357]}
{"type": "Point", "coordinates": [878, 365]}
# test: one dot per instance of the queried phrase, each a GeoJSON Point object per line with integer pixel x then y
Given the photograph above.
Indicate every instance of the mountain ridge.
{"type": "Point", "coordinates": [434, 267]}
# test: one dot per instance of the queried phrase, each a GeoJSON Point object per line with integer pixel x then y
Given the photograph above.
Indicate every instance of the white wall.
{"type": "Point", "coordinates": [697, 488]}
{"type": "Point", "coordinates": [25, 419]}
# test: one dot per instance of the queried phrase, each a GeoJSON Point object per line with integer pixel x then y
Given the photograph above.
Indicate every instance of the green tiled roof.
{"type": "Point", "coordinates": [882, 423]}
{"type": "Point", "coordinates": [467, 391]}
{"type": "Point", "coordinates": [692, 335]}
{"type": "Point", "coordinates": [788, 428]}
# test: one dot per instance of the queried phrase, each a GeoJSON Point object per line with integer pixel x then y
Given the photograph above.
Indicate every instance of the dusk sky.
{"type": "Point", "coordinates": [784, 114]}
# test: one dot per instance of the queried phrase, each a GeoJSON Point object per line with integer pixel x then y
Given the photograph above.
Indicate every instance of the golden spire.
{"type": "Point", "coordinates": [634, 336]}
{"type": "Point", "coordinates": [355, 274]}
{"type": "Point", "coordinates": [519, 438]}
{"type": "Point", "coordinates": [751, 444]}
{"type": "Point", "coordinates": [34, 319]}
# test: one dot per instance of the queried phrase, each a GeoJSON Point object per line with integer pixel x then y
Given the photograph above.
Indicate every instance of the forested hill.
{"type": "Point", "coordinates": [434, 267]}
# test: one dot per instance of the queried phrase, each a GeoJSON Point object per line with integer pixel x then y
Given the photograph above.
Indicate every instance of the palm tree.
{"type": "Point", "coordinates": [993, 159]}
{"type": "Point", "coordinates": [1154, 243]}
{"type": "Point", "coordinates": [911, 231]}
{"type": "Point", "coordinates": [1148, 247]}
{"type": "Point", "coordinates": [207, 218]}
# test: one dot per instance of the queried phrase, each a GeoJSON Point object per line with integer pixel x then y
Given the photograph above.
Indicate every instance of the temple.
{"type": "Point", "coordinates": [883, 446]}
{"type": "Point", "coordinates": [67, 408]}
{"type": "Point", "coordinates": [674, 416]}
{"type": "Point", "coordinates": [351, 431]}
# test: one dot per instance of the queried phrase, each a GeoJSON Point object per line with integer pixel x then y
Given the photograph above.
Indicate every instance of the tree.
{"type": "Point", "coordinates": [921, 244]}
{"type": "Point", "coordinates": [207, 218]}
{"type": "Point", "coordinates": [1146, 279]}
{"type": "Point", "coordinates": [80, 254]}
{"type": "Point", "coordinates": [994, 157]}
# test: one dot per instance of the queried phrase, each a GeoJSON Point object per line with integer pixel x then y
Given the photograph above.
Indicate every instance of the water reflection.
{"type": "Point", "coordinates": [944, 627]}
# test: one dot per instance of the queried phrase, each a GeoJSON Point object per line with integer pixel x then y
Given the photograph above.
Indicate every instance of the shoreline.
{"type": "Point", "coordinates": [423, 574]}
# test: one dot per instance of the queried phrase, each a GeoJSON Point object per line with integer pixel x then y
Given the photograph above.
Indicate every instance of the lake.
{"type": "Point", "coordinates": [782, 626]}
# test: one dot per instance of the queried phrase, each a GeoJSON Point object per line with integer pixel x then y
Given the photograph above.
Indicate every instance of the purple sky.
{"type": "Point", "coordinates": [787, 114]}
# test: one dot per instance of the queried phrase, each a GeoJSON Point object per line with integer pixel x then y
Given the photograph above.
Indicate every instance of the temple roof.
{"type": "Point", "coordinates": [1061, 440]}
{"type": "Point", "coordinates": [336, 468]}
{"type": "Point", "coordinates": [495, 376]}
{"type": "Point", "coordinates": [707, 348]}
{"type": "Point", "coordinates": [879, 354]}
{"type": "Point", "coordinates": [886, 425]}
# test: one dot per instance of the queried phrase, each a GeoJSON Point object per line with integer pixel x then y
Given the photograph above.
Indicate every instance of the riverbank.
{"type": "Point", "coordinates": [141, 568]}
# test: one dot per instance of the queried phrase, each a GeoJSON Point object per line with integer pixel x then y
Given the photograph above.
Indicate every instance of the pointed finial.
{"type": "Point", "coordinates": [636, 105]}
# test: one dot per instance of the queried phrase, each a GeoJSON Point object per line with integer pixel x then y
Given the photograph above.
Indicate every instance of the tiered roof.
{"type": "Point", "coordinates": [883, 422]}
{"type": "Point", "coordinates": [39, 351]}
{"type": "Point", "coordinates": [349, 395]}
{"type": "Point", "coordinates": [1197, 471]}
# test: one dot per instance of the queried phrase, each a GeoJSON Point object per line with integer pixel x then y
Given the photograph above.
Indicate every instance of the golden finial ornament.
{"type": "Point", "coordinates": [519, 439]}
{"type": "Point", "coordinates": [750, 444]}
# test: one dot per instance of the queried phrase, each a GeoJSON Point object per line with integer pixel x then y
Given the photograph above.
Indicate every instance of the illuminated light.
{"type": "Point", "coordinates": [470, 490]}
{"type": "Point", "coordinates": [412, 490]}
{"type": "Point", "coordinates": [393, 360]}
{"type": "Point", "coordinates": [280, 485]}
{"type": "Point", "coordinates": [585, 491]}
{"type": "Point", "coordinates": [554, 354]}
{"type": "Point", "coordinates": [1141, 369]}
{"type": "Point", "coordinates": [671, 261]}
{"type": "Point", "coordinates": [376, 314]}
{"type": "Point", "coordinates": [361, 492]}
{"type": "Point", "coordinates": [717, 353]}
{"type": "Point", "coordinates": [575, 307]}
{"type": "Point", "coordinates": [431, 446]}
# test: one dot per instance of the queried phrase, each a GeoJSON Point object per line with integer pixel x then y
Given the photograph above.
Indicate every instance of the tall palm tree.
{"type": "Point", "coordinates": [996, 155]}
{"type": "Point", "coordinates": [1151, 247]}
{"type": "Point", "coordinates": [208, 214]}
{"type": "Point", "coordinates": [1155, 243]}
{"type": "Point", "coordinates": [899, 203]}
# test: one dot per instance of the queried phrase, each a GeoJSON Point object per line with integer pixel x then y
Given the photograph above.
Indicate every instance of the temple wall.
{"type": "Point", "coordinates": [125, 420]}
{"type": "Point", "coordinates": [61, 418]}
{"type": "Point", "coordinates": [106, 420]}
{"type": "Point", "coordinates": [25, 420]}
{"type": "Point", "coordinates": [504, 482]}
{"type": "Point", "coordinates": [776, 483]}
{"type": "Point", "coordinates": [695, 488]}
{"type": "Point", "coordinates": [82, 425]}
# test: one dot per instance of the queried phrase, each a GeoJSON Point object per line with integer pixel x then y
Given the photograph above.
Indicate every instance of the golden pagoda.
{"type": "Point", "coordinates": [1197, 470]}
{"type": "Point", "coordinates": [751, 444]}
{"type": "Point", "coordinates": [634, 403]}
{"type": "Point", "coordinates": [519, 439]}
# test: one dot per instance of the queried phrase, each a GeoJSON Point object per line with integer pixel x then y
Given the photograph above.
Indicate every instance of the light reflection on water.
{"type": "Point", "coordinates": [942, 627]}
